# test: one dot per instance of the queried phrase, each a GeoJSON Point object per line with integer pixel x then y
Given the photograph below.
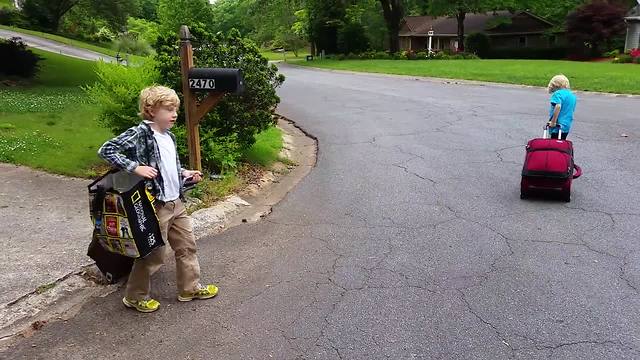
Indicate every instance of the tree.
{"type": "Point", "coordinates": [233, 14]}
{"type": "Point", "coordinates": [114, 12]}
{"type": "Point", "coordinates": [595, 25]}
{"type": "Point", "coordinates": [325, 18]}
{"type": "Point", "coordinates": [393, 13]}
{"type": "Point", "coordinates": [352, 36]}
{"type": "Point", "coordinates": [478, 43]}
{"type": "Point", "coordinates": [374, 24]}
{"type": "Point", "coordinates": [46, 14]}
{"type": "Point", "coordinates": [174, 13]}
{"type": "Point", "coordinates": [460, 9]}
{"type": "Point", "coordinates": [265, 22]}
{"type": "Point", "coordinates": [301, 26]}
{"type": "Point", "coordinates": [557, 10]}
{"type": "Point", "coordinates": [147, 9]}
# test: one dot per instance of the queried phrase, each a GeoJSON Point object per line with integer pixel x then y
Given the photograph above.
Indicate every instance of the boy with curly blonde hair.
{"type": "Point", "coordinates": [563, 105]}
{"type": "Point", "coordinates": [149, 150]}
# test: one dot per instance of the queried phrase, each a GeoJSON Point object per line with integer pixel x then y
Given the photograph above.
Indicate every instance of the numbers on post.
{"type": "Point", "coordinates": [202, 84]}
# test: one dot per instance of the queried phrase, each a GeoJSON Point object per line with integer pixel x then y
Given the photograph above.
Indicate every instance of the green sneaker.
{"type": "Point", "coordinates": [145, 306]}
{"type": "Point", "coordinates": [204, 292]}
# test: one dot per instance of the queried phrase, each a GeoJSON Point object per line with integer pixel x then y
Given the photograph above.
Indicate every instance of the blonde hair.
{"type": "Point", "coordinates": [154, 96]}
{"type": "Point", "coordinates": [558, 82]}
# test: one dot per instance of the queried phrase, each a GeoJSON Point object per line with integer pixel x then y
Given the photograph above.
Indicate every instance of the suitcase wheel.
{"type": "Point", "coordinates": [523, 195]}
{"type": "Point", "coordinates": [566, 196]}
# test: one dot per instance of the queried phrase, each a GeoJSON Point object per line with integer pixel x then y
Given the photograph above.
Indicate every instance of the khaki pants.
{"type": "Point", "coordinates": [177, 231]}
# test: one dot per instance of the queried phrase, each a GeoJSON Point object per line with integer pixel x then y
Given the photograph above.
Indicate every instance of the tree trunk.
{"type": "Point", "coordinates": [59, 10]}
{"type": "Point", "coordinates": [460, 16]}
{"type": "Point", "coordinates": [392, 11]}
{"type": "Point", "coordinates": [394, 39]}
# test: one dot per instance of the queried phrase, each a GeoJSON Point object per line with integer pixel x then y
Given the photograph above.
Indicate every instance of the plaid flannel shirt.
{"type": "Point", "coordinates": [135, 147]}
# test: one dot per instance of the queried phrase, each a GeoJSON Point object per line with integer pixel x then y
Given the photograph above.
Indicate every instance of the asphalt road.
{"type": "Point", "coordinates": [408, 241]}
{"type": "Point", "coordinates": [56, 47]}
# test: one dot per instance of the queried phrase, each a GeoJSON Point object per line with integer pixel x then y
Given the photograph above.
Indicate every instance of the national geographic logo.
{"type": "Point", "coordinates": [140, 215]}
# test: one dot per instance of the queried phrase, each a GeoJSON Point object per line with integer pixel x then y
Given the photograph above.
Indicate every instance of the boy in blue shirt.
{"type": "Point", "coordinates": [563, 104]}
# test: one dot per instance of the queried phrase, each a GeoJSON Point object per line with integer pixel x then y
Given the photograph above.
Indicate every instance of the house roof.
{"type": "Point", "coordinates": [520, 23]}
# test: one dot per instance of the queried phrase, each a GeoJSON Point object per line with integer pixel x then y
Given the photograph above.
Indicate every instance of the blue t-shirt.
{"type": "Point", "coordinates": [567, 100]}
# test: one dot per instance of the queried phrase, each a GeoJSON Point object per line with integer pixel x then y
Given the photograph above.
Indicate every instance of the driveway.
{"type": "Point", "coordinates": [55, 47]}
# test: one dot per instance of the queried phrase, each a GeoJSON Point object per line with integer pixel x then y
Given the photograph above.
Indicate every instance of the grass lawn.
{"type": "Point", "coordinates": [50, 124]}
{"type": "Point", "coordinates": [6, 4]}
{"type": "Point", "coordinates": [590, 76]}
{"type": "Point", "coordinates": [264, 153]}
{"type": "Point", "coordinates": [272, 55]}
{"type": "Point", "coordinates": [267, 148]}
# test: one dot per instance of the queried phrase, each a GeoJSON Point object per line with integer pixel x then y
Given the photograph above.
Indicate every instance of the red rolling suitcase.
{"type": "Point", "coordinates": [548, 168]}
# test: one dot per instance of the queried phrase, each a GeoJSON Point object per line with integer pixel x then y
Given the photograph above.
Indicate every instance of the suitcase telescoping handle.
{"type": "Point", "coordinates": [547, 135]}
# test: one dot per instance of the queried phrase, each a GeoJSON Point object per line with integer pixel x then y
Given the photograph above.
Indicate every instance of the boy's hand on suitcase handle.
{"type": "Point", "coordinates": [146, 172]}
{"type": "Point", "coordinates": [192, 176]}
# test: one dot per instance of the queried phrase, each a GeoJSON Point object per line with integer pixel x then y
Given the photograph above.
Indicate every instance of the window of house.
{"type": "Point", "coordinates": [522, 41]}
{"type": "Point", "coordinates": [552, 40]}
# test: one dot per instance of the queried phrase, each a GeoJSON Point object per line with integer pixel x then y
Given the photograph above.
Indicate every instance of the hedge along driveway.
{"type": "Point", "coordinates": [587, 76]}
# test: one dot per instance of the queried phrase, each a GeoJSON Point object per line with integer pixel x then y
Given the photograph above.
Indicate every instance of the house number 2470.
{"type": "Point", "coordinates": [204, 84]}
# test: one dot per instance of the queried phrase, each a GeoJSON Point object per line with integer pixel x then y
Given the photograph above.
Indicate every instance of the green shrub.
{"type": "Point", "coordinates": [382, 55]}
{"type": "Point", "coordinates": [17, 60]}
{"type": "Point", "coordinates": [477, 43]}
{"type": "Point", "coordinates": [11, 17]}
{"type": "Point", "coordinates": [143, 29]}
{"type": "Point", "coordinates": [623, 59]}
{"type": "Point", "coordinates": [102, 34]}
{"type": "Point", "coordinates": [469, 56]}
{"type": "Point", "coordinates": [220, 154]}
{"type": "Point", "coordinates": [352, 38]}
{"type": "Point", "coordinates": [130, 44]}
{"type": "Point", "coordinates": [374, 55]}
{"type": "Point", "coordinates": [553, 53]}
{"type": "Point", "coordinates": [117, 90]}
{"type": "Point", "coordinates": [243, 115]}
{"type": "Point", "coordinates": [79, 23]}
{"type": "Point", "coordinates": [612, 54]}
{"type": "Point", "coordinates": [440, 55]}
{"type": "Point", "coordinates": [422, 55]}
{"type": "Point", "coordinates": [409, 55]}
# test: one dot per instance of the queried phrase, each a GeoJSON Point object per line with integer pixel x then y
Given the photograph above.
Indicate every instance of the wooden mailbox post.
{"type": "Point", "coordinates": [216, 82]}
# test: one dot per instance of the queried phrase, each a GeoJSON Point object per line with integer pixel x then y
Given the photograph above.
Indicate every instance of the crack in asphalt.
{"type": "Point", "coordinates": [495, 329]}
{"type": "Point", "coordinates": [622, 274]}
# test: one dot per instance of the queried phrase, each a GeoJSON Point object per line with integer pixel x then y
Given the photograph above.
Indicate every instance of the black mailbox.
{"type": "Point", "coordinates": [216, 79]}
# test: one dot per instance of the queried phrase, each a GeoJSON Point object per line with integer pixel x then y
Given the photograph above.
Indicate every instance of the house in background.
{"type": "Point", "coordinates": [505, 30]}
{"type": "Point", "coordinates": [633, 29]}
